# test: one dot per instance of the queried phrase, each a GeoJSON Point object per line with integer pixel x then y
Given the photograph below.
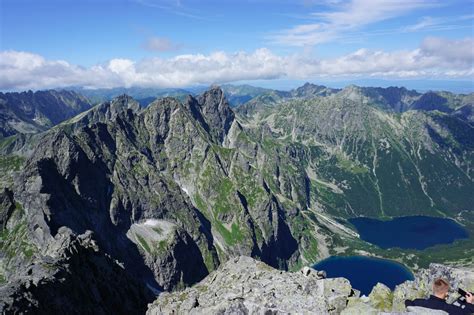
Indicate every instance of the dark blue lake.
{"type": "Point", "coordinates": [415, 232]}
{"type": "Point", "coordinates": [364, 272]}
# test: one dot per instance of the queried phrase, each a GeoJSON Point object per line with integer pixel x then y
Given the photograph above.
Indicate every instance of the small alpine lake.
{"type": "Point", "coordinates": [364, 272]}
{"type": "Point", "coordinates": [413, 232]}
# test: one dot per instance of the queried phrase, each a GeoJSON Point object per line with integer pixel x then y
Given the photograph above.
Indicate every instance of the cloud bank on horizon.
{"type": "Point", "coordinates": [436, 57]}
{"type": "Point", "coordinates": [336, 23]}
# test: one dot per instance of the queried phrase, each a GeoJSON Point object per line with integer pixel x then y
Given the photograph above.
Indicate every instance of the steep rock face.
{"type": "Point", "coordinates": [345, 145]}
{"type": "Point", "coordinates": [246, 286]}
{"type": "Point", "coordinates": [73, 277]}
{"type": "Point", "coordinates": [216, 109]}
{"type": "Point", "coordinates": [466, 112]}
{"type": "Point", "coordinates": [7, 206]}
{"type": "Point", "coordinates": [30, 112]}
{"type": "Point", "coordinates": [431, 101]}
{"type": "Point", "coordinates": [95, 179]}
{"type": "Point", "coordinates": [397, 98]}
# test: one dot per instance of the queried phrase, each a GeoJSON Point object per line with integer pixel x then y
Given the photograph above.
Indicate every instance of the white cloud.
{"type": "Point", "coordinates": [454, 52]}
{"type": "Point", "coordinates": [160, 44]}
{"type": "Point", "coordinates": [346, 16]}
{"type": "Point", "coordinates": [435, 58]}
{"type": "Point", "coordinates": [429, 23]}
{"type": "Point", "coordinates": [425, 22]}
{"type": "Point", "coordinates": [173, 7]}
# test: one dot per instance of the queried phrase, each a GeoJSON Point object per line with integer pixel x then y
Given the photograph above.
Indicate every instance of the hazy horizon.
{"type": "Point", "coordinates": [421, 86]}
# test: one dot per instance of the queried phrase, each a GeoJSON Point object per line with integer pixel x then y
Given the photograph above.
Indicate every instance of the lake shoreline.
{"type": "Point", "coordinates": [365, 272]}
{"type": "Point", "coordinates": [409, 232]}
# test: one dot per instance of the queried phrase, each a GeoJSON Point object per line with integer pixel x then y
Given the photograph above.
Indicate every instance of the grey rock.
{"type": "Point", "coordinates": [78, 279]}
{"type": "Point", "coordinates": [217, 111]}
{"type": "Point", "coordinates": [245, 286]}
{"type": "Point", "coordinates": [31, 112]}
{"type": "Point", "coordinates": [381, 297]}
{"type": "Point", "coordinates": [7, 205]}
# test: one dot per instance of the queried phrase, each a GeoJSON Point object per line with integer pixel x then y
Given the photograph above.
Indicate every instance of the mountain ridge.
{"type": "Point", "coordinates": [31, 112]}
{"type": "Point", "coordinates": [151, 185]}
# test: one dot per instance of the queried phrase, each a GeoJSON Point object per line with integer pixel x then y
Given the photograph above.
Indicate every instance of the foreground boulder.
{"type": "Point", "coordinates": [246, 286]}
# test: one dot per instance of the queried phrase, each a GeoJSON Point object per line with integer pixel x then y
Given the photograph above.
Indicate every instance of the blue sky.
{"type": "Point", "coordinates": [106, 43]}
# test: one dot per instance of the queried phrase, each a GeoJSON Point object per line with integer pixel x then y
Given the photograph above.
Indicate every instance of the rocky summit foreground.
{"type": "Point", "coordinates": [245, 286]}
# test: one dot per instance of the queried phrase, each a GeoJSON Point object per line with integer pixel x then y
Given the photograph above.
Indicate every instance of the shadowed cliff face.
{"type": "Point", "coordinates": [74, 277]}
{"type": "Point", "coordinates": [216, 110]}
{"type": "Point", "coordinates": [101, 176]}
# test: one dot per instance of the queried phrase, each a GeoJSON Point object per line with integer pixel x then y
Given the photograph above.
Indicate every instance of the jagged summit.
{"type": "Point", "coordinates": [312, 90]}
{"type": "Point", "coordinates": [216, 109]}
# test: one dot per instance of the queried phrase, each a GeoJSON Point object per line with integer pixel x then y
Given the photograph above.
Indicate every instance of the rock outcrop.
{"type": "Point", "coordinates": [245, 286]}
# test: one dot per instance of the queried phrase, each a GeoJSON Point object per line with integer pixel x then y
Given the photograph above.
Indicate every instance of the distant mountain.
{"type": "Point", "coordinates": [309, 90]}
{"type": "Point", "coordinates": [30, 112]}
{"type": "Point", "coordinates": [144, 96]}
{"type": "Point", "coordinates": [235, 94]}
{"type": "Point", "coordinates": [466, 112]}
{"type": "Point", "coordinates": [375, 146]}
{"type": "Point", "coordinates": [399, 99]}
{"type": "Point", "coordinates": [240, 94]}
{"type": "Point", "coordinates": [393, 99]}
{"type": "Point", "coordinates": [251, 96]}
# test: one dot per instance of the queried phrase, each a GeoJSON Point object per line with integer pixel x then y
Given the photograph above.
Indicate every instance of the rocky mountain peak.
{"type": "Point", "coordinates": [431, 101]}
{"type": "Point", "coordinates": [125, 101]}
{"type": "Point", "coordinates": [32, 112]}
{"type": "Point", "coordinates": [216, 110]}
{"type": "Point", "coordinates": [312, 90]}
{"type": "Point", "coordinates": [120, 104]}
{"type": "Point", "coordinates": [312, 86]}
{"type": "Point", "coordinates": [352, 88]}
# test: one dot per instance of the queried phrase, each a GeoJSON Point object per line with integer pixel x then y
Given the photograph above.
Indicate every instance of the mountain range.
{"type": "Point", "coordinates": [32, 112]}
{"type": "Point", "coordinates": [140, 198]}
